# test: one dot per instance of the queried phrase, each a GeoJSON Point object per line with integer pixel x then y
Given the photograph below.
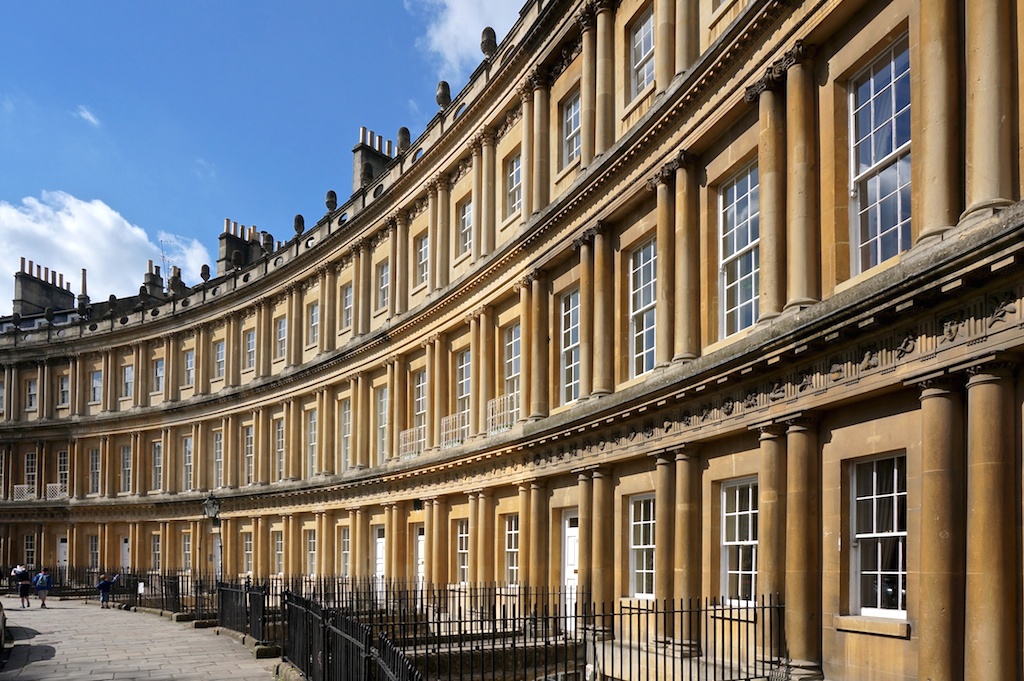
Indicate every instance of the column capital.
{"type": "Point", "coordinates": [769, 82]}
{"type": "Point", "coordinates": [803, 421]}
{"type": "Point", "coordinates": [526, 91]}
{"type": "Point", "coordinates": [540, 77]}
{"type": "Point", "coordinates": [586, 237]}
{"type": "Point", "coordinates": [800, 53]}
{"type": "Point", "coordinates": [605, 5]}
{"type": "Point", "coordinates": [586, 18]}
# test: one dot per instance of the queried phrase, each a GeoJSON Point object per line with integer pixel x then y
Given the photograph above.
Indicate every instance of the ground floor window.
{"type": "Point", "coordinates": [880, 536]}
{"type": "Point", "coordinates": [641, 546]}
{"type": "Point", "coordinates": [739, 540]}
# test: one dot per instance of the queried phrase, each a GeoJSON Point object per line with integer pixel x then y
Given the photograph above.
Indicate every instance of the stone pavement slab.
{"type": "Point", "coordinates": [76, 641]}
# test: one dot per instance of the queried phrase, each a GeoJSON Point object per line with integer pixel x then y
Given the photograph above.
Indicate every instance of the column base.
{"type": "Point", "coordinates": [798, 304]}
{"type": "Point", "coordinates": [803, 670]}
{"type": "Point", "coordinates": [981, 211]}
{"type": "Point", "coordinates": [683, 357]}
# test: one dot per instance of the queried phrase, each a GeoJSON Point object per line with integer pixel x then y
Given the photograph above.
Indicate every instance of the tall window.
{"type": "Point", "coordinates": [419, 406]}
{"type": "Point", "coordinates": [642, 52]}
{"type": "Point", "coordinates": [346, 306]}
{"type": "Point", "coordinates": [158, 375]}
{"type": "Point", "coordinates": [63, 391]}
{"type": "Point", "coordinates": [94, 551]}
{"type": "Point", "coordinates": [30, 550]}
{"type": "Point", "coordinates": [422, 249]}
{"type": "Point", "coordinates": [2, 396]}
{"type": "Point", "coordinates": [381, 395]}
{"type": "Point", "coordinates": [880, 158]}
{"type": "Point", "coordinates": [739, 251]}
{"type": "Point", "coordinates": [157, 465]}
{"type": "Point", "coordinates": [382, 285]}
{"type": "Point", "coordinates": [571, 129]}
{"type": "Point", "coordinates": [94, 471]}
{"type": "Point", "coordinates": [248, 455]}
{"type": "Point", "coordinates": [513, 185]}
{"type": "Point", "coordinates": [30, 469]}
{"type": "Point", "coordinates": [465, 235]}
{"type": "Point", "coordinates": [313, 324]}
{"type": "Point", "coordinates": [346, 551]}
{"type": "Point", "coordinates": [280, 337]}
{"type": "Point", "coordinates": [462, 551]}
{"type": "Point", "coordinates": [277, 537]}
{"type": "Point", "coordinates": [279, 449]}
{"type": "Point", "coordinates": [127, 380]}
{"type": "Point", "coordinates": [247, 552]}
{"type": "Point", "coordinates": [189, 368]}
{"type": "Point", "coordinates": [641, 546]}
{"type": "Point", "coordinates": [463, 371]}
{"type": "Point", "coordinates": [155, 553]}
{"type": "Point", "coordinates": [62, 470]}
{"type": "Point", "coordinates": [218, 359]}
{"type": "Point", "coordinates": [512, 367]}
{"type": "Point", "coordinates": [880, 536]}
{"type": "Point", "coordinates": [249, 349]}
{"type": "Point", "coordinates": [186, 551]}
{"type": "Point", "coordinates": [218, 459]}
{"type": "Point", "coordinates": [739, 540]}
{"type": "Point", "coordinates": [96, 386]}
{"type": "Point", "coordinates": [570, 369]}
{"type": "Point", "coordinates": [345, 431]}
{"type": "Point", "coordinates": [310, 552]}
{"type": "Point", "coordinates": [512, 548]}
{"type": "Point", "coordinates": [311, 443]}
{"type": "Point", "coordinates": [186, 463]}
{"type": "Point", "coordinates": [31, 393]}
{"type": "Point", "coordinates": [126, 468]}
{"type": "Point", "coordinates": [642, 296]}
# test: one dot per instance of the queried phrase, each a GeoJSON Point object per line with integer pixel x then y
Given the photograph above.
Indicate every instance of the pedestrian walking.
{"type": "Point", "coordinates": [104, 588]}
{"type": "Point", "coordinates": [21, 576]}
{"type": "Point", "coordinates": [43, 582]}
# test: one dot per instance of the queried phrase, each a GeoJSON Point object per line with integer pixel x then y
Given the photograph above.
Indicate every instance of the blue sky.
{"type": "Point", "coordinates": [127, 127]}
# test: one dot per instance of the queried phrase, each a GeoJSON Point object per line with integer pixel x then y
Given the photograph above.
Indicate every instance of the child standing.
{"type": "Point", "coordinates": [104, 588]}
{"type": "Point", "coordinates": [22, 577]}
{"type": "Point", "coordinates": [42, 582]}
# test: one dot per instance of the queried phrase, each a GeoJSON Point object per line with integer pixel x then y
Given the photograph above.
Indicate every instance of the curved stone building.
{"type": "Point", "coordinates": [675, 298]}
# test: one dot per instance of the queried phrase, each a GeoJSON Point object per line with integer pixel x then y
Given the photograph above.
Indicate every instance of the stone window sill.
{"type": "Point", "coordinates": [875, 626]}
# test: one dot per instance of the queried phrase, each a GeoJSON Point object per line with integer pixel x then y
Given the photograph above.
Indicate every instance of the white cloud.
{"type": "Point", "coordinates": [65, 233]}
{"type": "Point", "coordinates": [205, 170]}
{"type": "Point", "coordinates": [453, 33]}
{"type": "Point", "coordinates": [87, 116]}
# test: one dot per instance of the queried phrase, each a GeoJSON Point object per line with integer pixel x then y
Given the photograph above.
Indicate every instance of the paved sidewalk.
{"type": "Point", "coordinates": [74, 641]}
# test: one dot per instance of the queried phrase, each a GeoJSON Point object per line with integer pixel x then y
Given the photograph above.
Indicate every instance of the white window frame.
{"type": "Point", "coordinates": [280, 337]}
{"type": "Point", "coordinates": [512, 537]}
{"type": "Point", "coordinates": [878, 518]}
{"type": "Point", "coordinates": [31, 394]}
{"type": "Point", "coordinates": [94, 471]}
{"type": "Point", "coordinates": [512, 366]}
{"type": "Point", "coordinates": [218, 459]}
{"type": "Point", "coordinates": [277, 538]}
{"type": "Point", "coordinates": [249, 347]}
{"type": "Point", "coordinates": [63, 391]}
{"type": "Point", "coordinates": [310, 541]}
{"type": "Point", "coordinates": [641, 546]}
{"type": "Point", "coordinates": [247, 553]}
{"type": "Point", "coordinates": [127, 380]}
{"type": "Point", "coordinates": [30, 550]}
{"type": "Point", "coordinates": [739, 250]}
{"type": "Point", "coordinates": [421, 246]}
{"type": "Point", "coordinates": [31, 468]}
{"type": "Point", "coordinates": [641, 51]}
{"type": "Point", "coordinates": [571, 130]}
{"type": "Point", "coordinates": [96, 386]}
{"type": "Point", "coordinates": [383, 285]}
{"type": "Point", "coordinates": [464, 236]}
{"type": "Point", "coordinates": [279, 445]}
{"type": "Point", "coordinates": [157, 464]}
{"type": "Point", "coordinates": [93, 541]}
{"type": "Point", "coordinates": [63, 469]}
{"type": "Point", "coordinates": [155, 553]}
{"type": "Point", "coordinates": [739, 540]}
{"type": "Point", "coordinates": [248, 455]}
{"type": "Point", "coordinates": [126, 469]}
{"type": "Point", "coordinates": [463, 383]}
{"type": "Point", "coordinates": [346, 306]}
{"type": "Point", "coordinates": [313, 323]}
{"type": "Point", "coordinates": [186, 551]}
{"type": "Point", "coordinates": [880, 226]}
{"type": "Point", "coordinates": [419, 403]}
{"type": "Point", "coordinates": [643, 299]}
{"type": "Point", "coordinates": [514, 185]}
{"type": "Point", "coordinates": [569, 374]}
{"type": "Point", "coordinates": [345, 432]}
{"type": "Point", "coordinates": [462, 551]}
{"type": "Point", "coordinates": [158, 375]}
{"type": "Point", "coordinates": [345, 554]}
{"type": "Point", "coordinates": [187, 464]}
{"type": "Point", "coordinates": [381, 400]}
{"type": "Point", "coordinates": [189, 368]}
{"type": "Point", "coordinates": [311, 443]}
{"type": "Point", "coordinates": [219, 360]}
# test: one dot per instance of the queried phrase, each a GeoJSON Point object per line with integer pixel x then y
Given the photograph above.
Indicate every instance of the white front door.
{"type": "Point", "coordinates": [62, 553]}
{"type": "Point", "coordinates": [126, 553]}
{"type": "Point", "coordinates": [378, 553]}
{"type": "Point", "coordinates": [570, 563]}
{"type": "Point", "coordinates": [421, 561]}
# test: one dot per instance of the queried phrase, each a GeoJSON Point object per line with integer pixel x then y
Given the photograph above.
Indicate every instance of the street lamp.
{"type": "Point", "coordinates": [211, 509]}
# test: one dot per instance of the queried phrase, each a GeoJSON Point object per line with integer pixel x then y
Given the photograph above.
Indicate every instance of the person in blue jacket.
{"type": "Point", "coordinates": [104, 588]}
{"type": "Point", "coordinates": [43, 582]}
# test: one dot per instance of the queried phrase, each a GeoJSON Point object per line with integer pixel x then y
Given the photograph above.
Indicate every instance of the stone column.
{"type": "Point", "coordinates": [525, 348]}
{"type": "Point", "coordinates": [687, 33]}
{"type": "Point", "coordinates": [771, 530]}
{"type": "Point", "coordinates": [476, 197]}
{"type": "Point", "coordinates": [433, 415]}
{"type": "Point", "coordinates": [392, 267]}
{"type": "Point", "coordinates": [602, 563]}
{"type": "Point", "coordinates": [665, 302]}
{"type": "Point", "coordinates": [485, 348]}
{"type": "Point", "coordinates": [664, 43]}
{"type": "Point", "coordinates": [488, 209]}
{"type": "Point", "coordinates": [366, 405]}
{"type": "Point", "coordinates": [940, 610]}
{"type": "Point", "coordinates": [485, 543]}
{"type": "Point", "coordinates": [539, 534]}
{"type": "Point", "coordinates": [365, 293]}
{"type": "Point", "coordinates": [432, 237]}
{"type": "Point", "coordinates": [401, 402]}
{"type": "Point", "coordinates": [584, 245]}
{"type": "Point", "coordinates": [687, 532]}
{"type": "Point", "coordinates": [991, 633]}
{"type": "Point", "coordinates": [604, 128]}
{"type": "Point", "coordinates": [539, 349]}
{"type": "Point", "coordinates": [475, 368]}
{"type": "Point", "coordinates": [803, 253]}
{"type": "Point", "coordinates": [401, 276]}
{"type": "Point", "coordinates": [604, 312]}
{"type": "Point", "coordinates": [525, 528]}
{"type": "Point", "coordinates": [585, 490]}
{"type": "Point", "coordinates": [687, 261]}
{"type": "Point", "coordinates": [803, 540]}
{"type": "Point", "coordinates": [443, 251]}
{"type": "Point", "coordinates": [473, 521]}
{"type": "Point", "coordinates": [440, 541]}
{"type": "Point", "coordinates": [664, 532]}
{"type": "Point", "coordinates": [588, 83]}
{"type": "Point", "coordinates": [440, 384]}
{"type": "Point", "coordinates": [541, 135]}
{"type": "Point", "coordinates": [989, 104]}
{"type": "Point", "coordinates": [771, 163]}
{"type": "Point", "coordinates": [526, 150]}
